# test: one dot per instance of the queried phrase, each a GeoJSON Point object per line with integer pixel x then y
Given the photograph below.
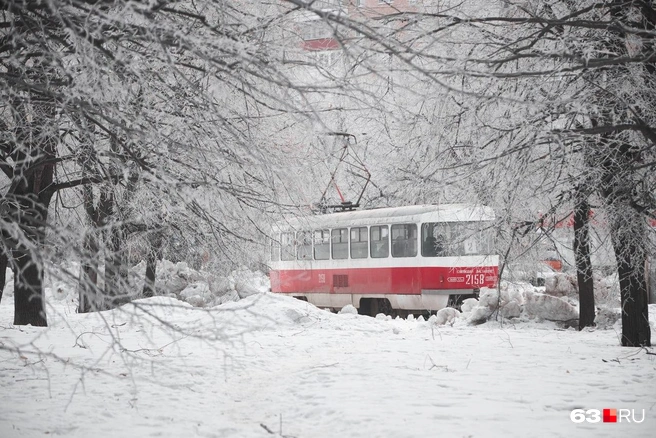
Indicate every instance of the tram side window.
{"type": "Point", "coordinates": [433, 243]}
{"type": "Point", "coordinates": [404, 240]}
{"type": "Point", "coordinates": [275, 249]}
{"type": "Point", "coordinates": [340, 243]}
{"type": "Point", "coordinates": [287, 246]}
{"type": "Point", "coordinates": [379, 241]}
{"type": "Point", "coordinates": [359, 243]}
{"type": "Point", "coordinates": [304, 245]}
{"type": "Point", "coordinates": [321, 244]}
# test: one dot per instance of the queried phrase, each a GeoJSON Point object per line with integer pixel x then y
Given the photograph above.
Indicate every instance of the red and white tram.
{"type": "Point", "coordinates": [406, 258]}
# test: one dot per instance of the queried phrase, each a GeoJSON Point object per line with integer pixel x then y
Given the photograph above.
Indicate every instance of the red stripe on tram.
{"type": "Point", "coordinates": [394, 280]}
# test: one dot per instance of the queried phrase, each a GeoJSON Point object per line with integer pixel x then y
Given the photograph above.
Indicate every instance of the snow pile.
{"type": "Point", "coordinates": [487, 304]}
{"type": "Point", "coordinates": [468, 305]}
{"type": "Point", "coordinates": [173, 278]}
{"type": "Point", "coordinates": [197, 294]}
{"type": "Point", "coordinates": [565, 286]}
{"type": "Point", "coordinates": [543, 306]}
{"type": "Point", "coordinates": [606, 288]}
{"type": "Point", "coordinates": [509, 304]}
{"type": "Point", "coordinates": [247, 282]}
{"type": "Point", "coordinates": [607, 291]}
{"type": "Point", "coordinates": [518, 300]}
{"type": "Point", "coordinates": [61, 291]}
{"type": "Point", "coordinates": [561, 285]}
{"type": "Point", "coordinates": [348, 310]}
{"type": "Point", "coordinates": [513, 298]}
{"type": "Point", "coordinates": [269, 310]}
{"type": "Point", "coordinates": [556, 301]}
{"type": "Point", "coordinates": [607, 317]}
{"type": "Point", "coordinates": [203, 289]}
{"type": "Point", "coordinates": [445, 316]}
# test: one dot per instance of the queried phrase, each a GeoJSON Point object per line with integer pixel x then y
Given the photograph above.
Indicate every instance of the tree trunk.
{"type": "Point", "coordinates": [29, 305]}
{"type": "Point", "coordinates": [651, 280]}
{"type": "Point", "coordinates": [628, 229]}
{"type": "Point", "coordinates": [116, 268]}
{"type": "Point", "coordinates": [630, 253]}
{"type": "Point", "coordinates": [630, 239]}
{"type": "Point", "coordinates": [89, 297]}
{"type": "Point", "coordinates": [583, 264]}
{"type": "Point", "coordinates": [112, 281]}
{"type": "Point", "coordinates": [32, 215]}
{"type": "Point", "coordinates": [4, 262]}
{"type": "Point", "coordinates": [29, 197]}
{"type": "Point", "coordinates": [149, 282]}
{"type": "Point", "coordinates": [154, 255]}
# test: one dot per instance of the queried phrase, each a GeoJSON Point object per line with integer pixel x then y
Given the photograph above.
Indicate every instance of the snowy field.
{"type": "Point", "coordinates": [268, 366]}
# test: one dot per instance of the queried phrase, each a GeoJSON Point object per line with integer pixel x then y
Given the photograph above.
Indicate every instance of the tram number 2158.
{"type": "Point", "coordinates": [475, 279]}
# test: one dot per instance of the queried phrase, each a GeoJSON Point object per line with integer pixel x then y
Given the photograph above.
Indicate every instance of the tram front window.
{"type": "Point", "coordinates": [440, 239]}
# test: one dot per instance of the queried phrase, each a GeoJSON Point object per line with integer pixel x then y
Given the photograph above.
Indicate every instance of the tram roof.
{"type": "Point", "coordinates": [412, 213]}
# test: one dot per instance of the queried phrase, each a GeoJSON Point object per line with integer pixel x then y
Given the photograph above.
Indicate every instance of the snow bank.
{"type": "Point", "coordinates": [206, 289]}
{"type": "Point", "coordinates": [607, 291]}
{"type": "Point", "coordinates": [607, 317]}
{"type": "Point", "coordinates": [271, 311]}
{"type": "Point", "coordinates": [518, 300]}
{"type": "Point", "coordinates": [444, 316]}
{"type": "Point", "coordinates": [173, 280]}
{"type": "Point", "coordinates": [548, 307]}
{"type": "Point", "coordinates": [606, 288]}
{"type": "Point", "coordinates": [348, 310]}
{"type": "Point", "coordinates": [565, 285]}
{"type": "Point", "coordinates": [561, 285]}
{"type": "Point", "coordinates": [509, 305]}
{"type": "Point", "coordinates": [197, 294]}
{"type": "Point", "coordinates": [556, 301]}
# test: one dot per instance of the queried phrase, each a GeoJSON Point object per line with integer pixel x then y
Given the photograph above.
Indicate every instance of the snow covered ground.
{"type": "Point", "coordinates": [268, 365]}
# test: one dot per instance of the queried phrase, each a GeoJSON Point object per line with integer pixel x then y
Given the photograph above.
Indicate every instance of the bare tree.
{"type": "Point", "coordinates": [148, 115]}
